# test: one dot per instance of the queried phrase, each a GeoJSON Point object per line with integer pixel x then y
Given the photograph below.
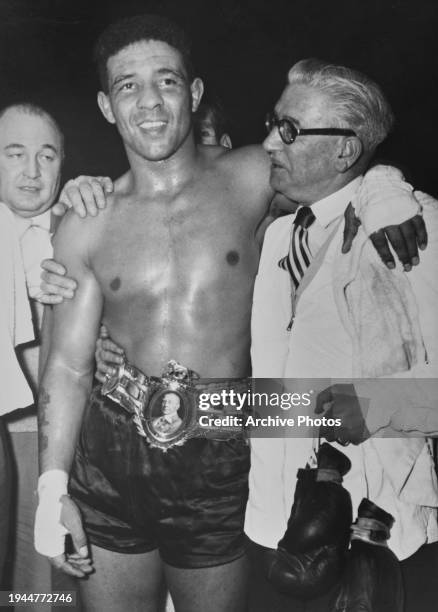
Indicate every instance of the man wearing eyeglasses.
{"type": "Point", "coordinates": [319, 314]}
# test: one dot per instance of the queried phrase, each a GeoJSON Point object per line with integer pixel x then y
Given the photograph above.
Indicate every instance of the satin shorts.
{"type": "Point", "coordinates": [188, 502]}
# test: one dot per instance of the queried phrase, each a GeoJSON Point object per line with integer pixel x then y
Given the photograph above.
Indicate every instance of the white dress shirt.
{"type": "Point", "coordinates": [15, 317]}
{"type": "Point", "coordinates": [35, 244]}
{"type": "Point", "coordinates": [35, 240]}
{"type": "Point", "coordinates": [395, 473]}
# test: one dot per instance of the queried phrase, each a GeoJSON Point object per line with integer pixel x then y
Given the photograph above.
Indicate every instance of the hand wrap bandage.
{"type": "Point", "coordinates": [384, 198]}
{"type": "Point", "coordinates": [49, 534]}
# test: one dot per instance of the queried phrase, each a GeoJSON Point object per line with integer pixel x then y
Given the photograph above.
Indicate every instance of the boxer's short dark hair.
{"type": "Point", "coordinates": [130, 30]}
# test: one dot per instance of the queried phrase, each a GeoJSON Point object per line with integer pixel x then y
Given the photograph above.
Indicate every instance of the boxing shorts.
{"type": "Point", "coordinates": [147, 476]}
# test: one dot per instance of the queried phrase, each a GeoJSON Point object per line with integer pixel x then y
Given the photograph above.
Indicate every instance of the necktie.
{"type": "Point", "coordinates": [35, 246]}
{"type": "Point", "coordinates": [299, 256]}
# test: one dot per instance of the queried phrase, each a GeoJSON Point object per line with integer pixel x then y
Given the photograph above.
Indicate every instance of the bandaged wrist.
{"type": "Point", "coordinates": [49, 532]}
{"type": "Point", "coordinates": [384, 198]}
{"type": "Point", "coordinates": [52, 485]}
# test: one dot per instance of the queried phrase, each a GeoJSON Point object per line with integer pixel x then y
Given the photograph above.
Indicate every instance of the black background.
{"type": "Point", "coordinates": [242, 49]}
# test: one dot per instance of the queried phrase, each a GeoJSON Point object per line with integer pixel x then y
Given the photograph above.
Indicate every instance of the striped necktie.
{"type": "Point", "coordinates": [299, 256]}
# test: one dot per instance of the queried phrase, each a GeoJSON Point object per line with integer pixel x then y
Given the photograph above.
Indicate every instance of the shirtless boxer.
{"type": "Point", "coordinates": [169, 266]}
{"type": "Point", "coordinates": [156, 264]}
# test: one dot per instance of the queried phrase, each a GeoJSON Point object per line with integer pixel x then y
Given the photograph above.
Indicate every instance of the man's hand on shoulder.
{"type": "Point", "coordinates": [390, 215]}
{"type": "Point", "coordinates": [85, 194]}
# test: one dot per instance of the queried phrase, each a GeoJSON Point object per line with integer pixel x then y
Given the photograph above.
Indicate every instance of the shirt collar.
{"type": "Point", "coordinates": [334, 205]}
{"type": "Point", "coordinates": [23, 223]}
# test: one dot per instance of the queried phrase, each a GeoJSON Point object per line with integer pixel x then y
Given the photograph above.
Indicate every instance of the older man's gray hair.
{"type": "Point", "coordinates": [358, 102]}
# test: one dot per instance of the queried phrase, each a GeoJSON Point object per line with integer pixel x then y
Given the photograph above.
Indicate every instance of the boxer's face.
{"type": "Point", "coordinates": [150, 99]}
{"type": "Point", "coordinates": [30, 162]}
{"type": "Point", "coordinates": [304, 170]}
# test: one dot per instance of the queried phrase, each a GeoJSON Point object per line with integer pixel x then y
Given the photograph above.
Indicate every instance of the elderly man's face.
{"type": "Point", "coordinates": [30, 162]}
{"type": "Point", "coordinates": [170, 404]}
{"type": "Point", "coordinates": [304, 171]}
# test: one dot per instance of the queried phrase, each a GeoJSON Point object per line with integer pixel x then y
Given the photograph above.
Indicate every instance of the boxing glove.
{"type": "Point", "coordinates": [310, 557]}
{"type": "Point", "coordinates": [372, 580]}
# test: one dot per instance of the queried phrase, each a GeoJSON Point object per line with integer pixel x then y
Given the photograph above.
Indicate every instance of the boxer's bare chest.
{"type": "Point", "coordinates": [153, 249]}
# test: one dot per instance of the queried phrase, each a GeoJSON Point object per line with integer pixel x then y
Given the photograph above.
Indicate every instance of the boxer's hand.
{"type": "Point", "coordinates": [78, 563]}
{"type": "Point", "coordinates": [341, 402]}
{"type": "Point", "coordinates": [56, 516]}
{"type": "Point", "coordinates": [85, 194]}
{"type": "Point", "coordinates": [108, 355]}
{"type": "Point", "coordinates": [55, 285]}
{"type": "Point", "coordinates": [405, 239]}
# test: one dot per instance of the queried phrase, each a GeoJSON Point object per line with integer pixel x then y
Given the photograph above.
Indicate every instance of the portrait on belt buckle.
{"type": "Point", "coordinates": [169, 417]}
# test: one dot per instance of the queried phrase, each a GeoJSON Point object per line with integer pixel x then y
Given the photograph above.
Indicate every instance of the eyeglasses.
{"type": "Point", "coordinates": [288, 132]}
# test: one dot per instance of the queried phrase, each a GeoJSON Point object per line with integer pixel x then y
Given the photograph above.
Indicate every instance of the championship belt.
{"type": "Point", "coordinates": [165, 409]}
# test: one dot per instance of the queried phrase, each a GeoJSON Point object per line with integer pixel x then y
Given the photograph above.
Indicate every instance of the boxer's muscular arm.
{"type": "Point", "coordinates": [64, 387]}
{"type": "Point", "coordinates": [68, 372]}
{"type": "Point", "coordinates": [86, 195]}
